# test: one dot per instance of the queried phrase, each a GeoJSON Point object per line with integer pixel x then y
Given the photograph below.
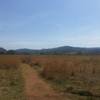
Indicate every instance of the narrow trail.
{"type": "Point", "coordinates": [36, 88]}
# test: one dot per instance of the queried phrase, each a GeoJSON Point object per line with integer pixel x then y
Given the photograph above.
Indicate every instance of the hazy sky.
{"type": "Point", "coordinates": [49, 23]}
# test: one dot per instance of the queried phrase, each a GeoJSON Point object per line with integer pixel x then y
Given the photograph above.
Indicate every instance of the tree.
{"type": "Point", "coordinates": [11, 52]}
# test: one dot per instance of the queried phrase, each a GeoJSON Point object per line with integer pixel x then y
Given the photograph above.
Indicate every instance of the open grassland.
{"type": "Point", "coordinates": [78, 75]}
{"type": "Point", "coordinates": [11, 83]}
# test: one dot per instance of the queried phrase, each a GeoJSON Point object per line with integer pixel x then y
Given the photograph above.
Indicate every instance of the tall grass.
{"type": "Point", "coordinates": [79, 74]}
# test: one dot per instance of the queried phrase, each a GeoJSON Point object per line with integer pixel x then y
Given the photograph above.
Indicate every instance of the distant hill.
{"type": "Point", "coordinates": [61, 50]}
{"type": "Point", "coordinates": [2, 50]}
{"type": "Point", "coordinates": [26, 51]}
{"type": "Point", "coordinates": [58, 50]}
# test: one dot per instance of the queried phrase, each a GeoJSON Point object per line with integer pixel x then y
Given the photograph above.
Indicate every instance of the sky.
{"type": "Point", "coordinates": [40, 24]}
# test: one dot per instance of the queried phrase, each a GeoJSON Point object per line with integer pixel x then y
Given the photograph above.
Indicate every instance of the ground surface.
{"type": "Point", "coordinates": [75, 76]}
{"type": "Point", "coordinates": [11, 85]}
{"type": "Point", "coordinates": [36, 88]}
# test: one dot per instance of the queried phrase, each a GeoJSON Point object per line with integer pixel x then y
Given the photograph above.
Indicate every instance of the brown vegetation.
{"type": "Point", "coordinates": [11, 83]}
{"type": "Point", "coordinates": [78, 75]}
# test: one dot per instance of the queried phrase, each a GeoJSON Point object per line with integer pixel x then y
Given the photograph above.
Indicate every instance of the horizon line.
{"type": "Point", "coordinates": [51, 47]}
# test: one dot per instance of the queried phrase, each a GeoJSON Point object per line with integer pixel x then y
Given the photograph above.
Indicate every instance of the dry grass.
{"type": "Point", "coordinates": [11, 83]}
{"type": "Point", "coordinates": [77, 74]}
{"type": "Point", "coordinates": [64, 66]}
{"type": "Point", "coordinates": [9, 59]}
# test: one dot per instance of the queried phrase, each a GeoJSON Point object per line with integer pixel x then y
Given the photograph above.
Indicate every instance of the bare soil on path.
{"type": "Point", "coordinates": [36, 88]}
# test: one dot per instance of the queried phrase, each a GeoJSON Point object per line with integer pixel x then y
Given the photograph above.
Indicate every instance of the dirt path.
{"type": "Point", "coordinates": [36, 88]}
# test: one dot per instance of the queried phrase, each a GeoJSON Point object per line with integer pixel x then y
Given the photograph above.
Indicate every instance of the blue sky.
{"type": "Point", "coordinates": [49, 23]}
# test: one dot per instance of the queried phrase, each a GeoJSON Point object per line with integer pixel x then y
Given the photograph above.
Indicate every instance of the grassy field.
{"type": "Point", "coordinates": [11, 83]}
{"type": "Point", "coordinates": [76, 75]}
